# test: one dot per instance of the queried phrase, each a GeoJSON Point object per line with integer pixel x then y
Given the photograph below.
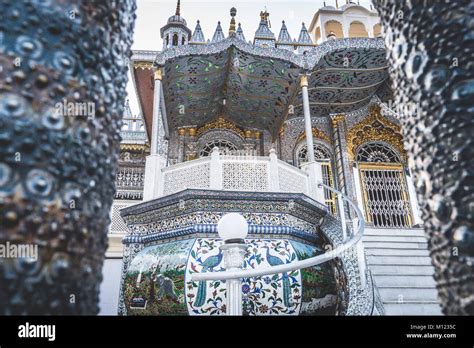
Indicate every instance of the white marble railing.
{"type": "Point", "coordinates": [232, 173]}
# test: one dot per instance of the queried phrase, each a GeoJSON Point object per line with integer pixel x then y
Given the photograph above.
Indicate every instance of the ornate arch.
{"type": "Point", "coordinates": [377, 151]}
{"type": "Point", "coordinates": [219, 134]}
{"type": "Point", "coordinates": [375, 128]}
{"type": "Point", "coordinates": [324, 152]}
{"type": "Point", "coordinates": [221, 123]}
{"type": "Point", "coordinates": [318, 134]}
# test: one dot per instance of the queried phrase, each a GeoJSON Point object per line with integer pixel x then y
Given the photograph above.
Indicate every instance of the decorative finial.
{"type": "Point", "coordinates": [233, 12]}
{"type": "Point", "coordinates": [178, 8]}
{"type": "Point", "coordinates": [337, 5]}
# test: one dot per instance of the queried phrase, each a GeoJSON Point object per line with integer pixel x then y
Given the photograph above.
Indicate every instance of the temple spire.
{"type": "Point", "coordinates": [264, 36]}
{"type": "Point", "coordinates": [198, 35]}
{"type": "Point", "coordinates": [178, 8]}
{"type": "Point", "coordinates": [218, 35]}
{"type": "Point", "coordinates": [284, 36]}
{"type": "Point", "coordinates": [304, 37]}
{"type": "Point", "coordinates": [240, 33]}
{"type": "Point", "coordinates": [233, 12]}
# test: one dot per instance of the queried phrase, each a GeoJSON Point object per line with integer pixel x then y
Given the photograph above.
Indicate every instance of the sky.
{"type": "Point", "coordinates": [153, 14]}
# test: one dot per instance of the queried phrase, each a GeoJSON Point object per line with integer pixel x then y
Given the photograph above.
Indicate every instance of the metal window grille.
{"type": "Point", "coordinates": [384, 187]}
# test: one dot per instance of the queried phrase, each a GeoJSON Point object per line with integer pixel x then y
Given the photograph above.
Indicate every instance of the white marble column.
{"type": "Point", "coordinates": [307, 118]}
{"type": "Point", "coordinates": [313, 168]}
{"type": "Point", "coordinates": [154, 162]}
{"type": "Point", "coordinates": [156, 113]}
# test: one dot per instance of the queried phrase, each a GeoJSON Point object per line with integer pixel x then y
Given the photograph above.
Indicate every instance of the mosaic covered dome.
{"type": "Point", "coordinates": [177, 19]}
{"type": "Point", "coordinates": [157, 281]}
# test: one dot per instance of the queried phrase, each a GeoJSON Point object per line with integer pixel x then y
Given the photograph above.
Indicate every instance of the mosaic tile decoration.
{"type": "Point", "coordinates": [157, 280]}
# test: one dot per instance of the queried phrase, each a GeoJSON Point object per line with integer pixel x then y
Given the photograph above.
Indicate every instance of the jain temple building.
{"type": "Point", "coordinates": [295, 132]}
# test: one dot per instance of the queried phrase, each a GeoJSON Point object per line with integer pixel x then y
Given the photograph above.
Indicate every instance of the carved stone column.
{"type": "Point", "coordinates": [62, 91]}
{"type": "Point", "coordinates": [430, 50]}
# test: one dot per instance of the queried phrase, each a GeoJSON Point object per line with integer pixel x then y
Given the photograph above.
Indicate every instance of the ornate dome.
{"type": "Point", "coordinates": [177, 19]}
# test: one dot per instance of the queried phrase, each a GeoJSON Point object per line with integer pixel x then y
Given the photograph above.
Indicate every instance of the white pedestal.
{"type": "Point", "coordinates": [153, 177]}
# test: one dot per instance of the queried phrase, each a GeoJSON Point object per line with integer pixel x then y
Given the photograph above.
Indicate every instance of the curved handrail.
{"type": "Point", "coordinates": [312, 261]}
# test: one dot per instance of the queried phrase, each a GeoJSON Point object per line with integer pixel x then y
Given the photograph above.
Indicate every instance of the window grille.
{"type": "Point", "coordinates": [384, 187]}
{"type": "Point", "coordinates": [224, 146]}
{"type": "Point", "coordinates": [323, 157]}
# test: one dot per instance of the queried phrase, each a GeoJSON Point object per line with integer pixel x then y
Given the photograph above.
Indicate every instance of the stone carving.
{"type": "Point", "coordinates": [432, 68]}
{"type": "Point", "coordinates": [56, 166]}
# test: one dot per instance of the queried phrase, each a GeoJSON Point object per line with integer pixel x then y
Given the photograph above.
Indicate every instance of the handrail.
{"type": "Point", "coordinates": [313, 261]}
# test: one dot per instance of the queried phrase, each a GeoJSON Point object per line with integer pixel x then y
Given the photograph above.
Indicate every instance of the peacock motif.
{"type": "Point", "coordinates": [207, 265]}
{"type": "Point", "coordinates": [275, 261]}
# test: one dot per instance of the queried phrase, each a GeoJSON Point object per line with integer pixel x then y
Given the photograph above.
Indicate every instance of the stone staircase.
{"type": "Point", "coordinates": [402, 270]}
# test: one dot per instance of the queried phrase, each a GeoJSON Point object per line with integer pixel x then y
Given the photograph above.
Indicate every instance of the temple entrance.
{"type": "Point", "coordinates": [384, 188]}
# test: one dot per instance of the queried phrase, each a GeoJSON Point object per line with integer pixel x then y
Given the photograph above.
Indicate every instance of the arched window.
{"type": "Point", "coordinates": [224, 146]}
{"type": "Point", "coordinates": [317, 35]}
{"type": "Point", "coordinates": [377, 152]}
{"type": "Point", "coordinates": [182, 41]}
{"type": "Point", "coordinates": [377, 30]}
{"type": "Point", "coordinates": [335, 28]}
{"type": "Point", "coordinates": [357, 29]}
{"type": "Point", "coordinates": [323, 157]}
{"type": "Point", "coordinates": [175, 39]}
{"type": "Point", "coordinates": [383, 185]}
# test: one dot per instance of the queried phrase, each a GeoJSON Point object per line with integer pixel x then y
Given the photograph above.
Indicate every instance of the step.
{"type": "Point", "coordinates": [399, 260]}
{"type": "Point", "coordinates": [402, 280]}
{"type": "Point", "coordinates": [396, 252]}
{"type": "Point", "coordinates": [408, 294]}
{"type": "Point", "coordinates": [382, 232]}
{"type": "Point", "coordinates": [402, 270]}
{"type": "Point", "coordinates": [404, 245]}
{"type": "Point", "coordinates": [396, 239]}
{"type": "Point", "coordinates": [415, 308]}
{"type": "Point", "coordinates": [369, 228]}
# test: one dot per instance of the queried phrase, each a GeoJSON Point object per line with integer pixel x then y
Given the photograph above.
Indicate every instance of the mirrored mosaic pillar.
{"type": "Point", "coordinates": [62, 90]}
{"type": "Point", "coordinates": [430, 50]}
{"type": "Point", "coordinates": [344, 179]}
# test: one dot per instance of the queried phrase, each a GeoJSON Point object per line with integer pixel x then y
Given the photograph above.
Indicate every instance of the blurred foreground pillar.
{"type": "Point", "coordinates": [63, 74]}
{"type": "Point", "coordinates": [430, 54]}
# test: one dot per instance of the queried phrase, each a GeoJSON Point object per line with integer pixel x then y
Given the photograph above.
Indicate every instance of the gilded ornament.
{"type": "Point", "coordinates": [375, 128]}
{"type": "Point", "coordinates": [220, 123]}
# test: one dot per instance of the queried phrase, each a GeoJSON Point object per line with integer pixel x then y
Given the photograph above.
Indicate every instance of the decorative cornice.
{"type": "Point", "coordinates": [143, 65]}
{"type": "Point", "coordinates": [220, 123]}
{"type": "Point", "coordinates": [134, 147]}
{"type": "Point", "coordinates": [375, 128]}
{"type": "Point", "coordinates": [304, 62]}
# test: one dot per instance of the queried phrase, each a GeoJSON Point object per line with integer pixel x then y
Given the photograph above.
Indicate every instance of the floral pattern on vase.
{"type": "Point", "coordinates": [278, 294]}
